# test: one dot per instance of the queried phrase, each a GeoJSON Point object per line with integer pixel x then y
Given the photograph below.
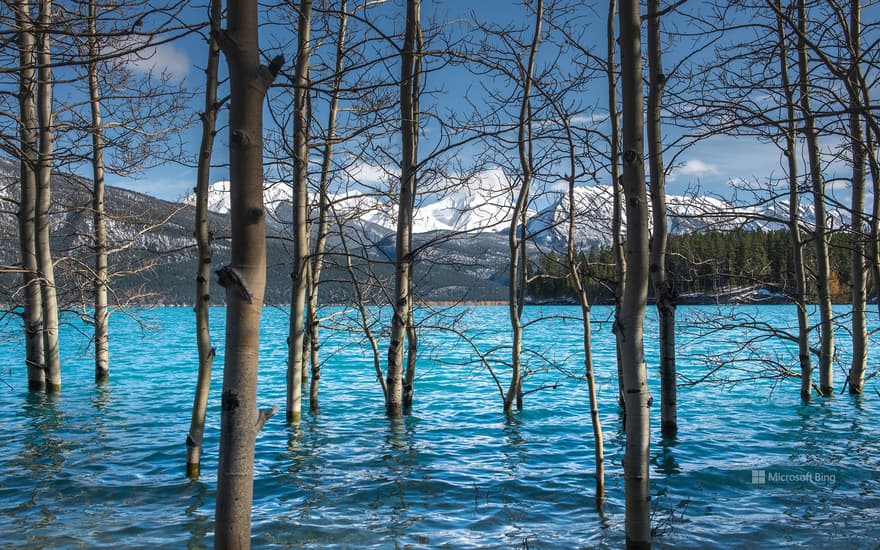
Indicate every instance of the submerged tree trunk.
{"type": "Point", "coordinates": [203, 241]}
{"type": "Point", "coordinates": [584, 300]}
{"type": "Point", "coordinates": [875, 218]}
{"type": "Point", "coordinates": [410, 69]}
{"type": "Point", "coordinates": [300, 215]}
{"type": "Point", "coordinates": [617, 192]}
{"type": "Point", "coordinates": [794, 222]}
{"type": "Point", "coordinates": [33, 304]}
{"type": "Point", "coordinates": [412, 347]}
{"type": "Point", "coordinates": [101, 313]}
{"type": "Point", "coordinates": [823, 269]}
{"type": "Point", "coordinates": [312, 321]}
{"type": "Point", "coordinates": [632, 314]}
{"type": "Point", "coordinates": [245, 277]}
{"type": "Point", "coordinates": [664, 292]}
{"type": "Point", "coordinates": [44, 200]}
{"type": "Point", "coordinates": [516, 236]}
{"type": "Point", "coordinates": [856, 378]}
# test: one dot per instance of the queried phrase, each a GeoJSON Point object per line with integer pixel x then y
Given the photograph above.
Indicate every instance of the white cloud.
{"type": "Point", "coordinates": [696, 167]}
{"type": "Point", "coordinates": [163, 58]}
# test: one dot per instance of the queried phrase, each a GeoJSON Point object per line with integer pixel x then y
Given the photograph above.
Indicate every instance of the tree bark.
{"type": "Point", "coordinates": [794, 221]}
{"type": "Point", "coordinates": [856, 378]}
{"type": "Point", "coordinates": [584, 300]}
{"type": "Point", "coordinates": [44, 199]}
{"type": "Point", "coordinates": [632, 314]}
{"type": "Point", "coordinates": [33, 305]}
{"type": "Point", "coordinates": [617, 191]}
{"type": "Point", "coordinates": [664, 293]}
{"type": "Point", "coordinates": [875, 218]}
{"type": "Point", "coordinates": [300, 215]}
{"type": "Point", "coordinates": [101, 313]}
{"type": "Point", "coordinates": [245, 278]}
{"type": "Point", "coordinates": [410, 69]}
{"type": "Point", "coordinates": [312, 321]}
{"type": "Point", "coordinates": [516, 236]}
{"type": "Point", "coordinates": [823, 270]}
{"type": "Point", "coordinates": [203, 241]}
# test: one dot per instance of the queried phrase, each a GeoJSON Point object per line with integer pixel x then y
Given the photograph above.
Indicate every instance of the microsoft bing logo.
{"type": "Point", "coordinates": [764, 477]}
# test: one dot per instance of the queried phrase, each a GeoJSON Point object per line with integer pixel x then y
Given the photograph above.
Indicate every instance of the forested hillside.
{"type": "Point", "coordinates": [704, 267]}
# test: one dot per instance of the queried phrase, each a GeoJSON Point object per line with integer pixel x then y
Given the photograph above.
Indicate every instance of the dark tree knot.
{"type": "Point", "coordinates": [229, 401]}
{"type": "Point", "coordinates": [240, 137]}
{"type": "Point", "coordinates": [276, 64]}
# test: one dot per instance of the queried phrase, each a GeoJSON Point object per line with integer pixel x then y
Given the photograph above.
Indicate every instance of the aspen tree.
{"type": "Point", "coordinates": [820, 234]}
{"type": "Point", "coordinates": [630, 325]}
{"type": "Point", "coordinates": [794, 222]}
{"type": "Point", "coordinates": [516, 236]}
{"type": "Point", "coordinates": [45, 161]}
{"type": "Point", "coordinates": [299, 275]}
{"type": "Point", "coordinates": [203, 240]}
{"type": "Point", "coordinates": [33, 308]}
{"type": "Point", "coordinates": [410, 69]}
{"type": "Point", "coordinates": [101, 313]}
{"type": "Point", "coordinates": [664, 293]}
{"type": "Point", "coordinates": [245, 277]}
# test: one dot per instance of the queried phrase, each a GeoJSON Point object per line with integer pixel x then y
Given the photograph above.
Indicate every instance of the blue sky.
{"type": "Point", "coordinates": [709, 166]}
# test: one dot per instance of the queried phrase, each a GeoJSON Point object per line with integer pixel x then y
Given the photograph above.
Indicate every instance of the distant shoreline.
{"type": "Point", "coordinates": [687, 301]}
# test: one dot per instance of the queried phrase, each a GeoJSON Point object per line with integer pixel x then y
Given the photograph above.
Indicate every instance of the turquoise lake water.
{"type": "Point", "coordinates": [753, 467]}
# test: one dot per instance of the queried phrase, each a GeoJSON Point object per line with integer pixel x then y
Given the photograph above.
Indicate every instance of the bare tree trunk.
{"type": "Point", "coordinates": [875, 218]}
{"type": "Point", "coordinates": [858, 251]}
{"type": "Point", "coordinates": [632, 314]}
{"type": "Point", "coordinates": [617, 190]}
{"type": "Point", "coordinates": [412, 339]}
{"type": "Point", "coordinates": [312, 319]}
{"type": "Point", "coordinates": [410, 69]}
{"type": "Point", "coordinates": [361, 301]}
{"type": "Point", "coordinates": [794, 222]}
{"type": "Point", "coordinates": [33, 305]}
{"type": "Point", "coordinates": [412, 347]}
{"type": "Point", "coordinates": [823, 269]}
{"type": "Point", "coordinates": [516, 237]}
{"type": "Point", "coordinates": [44, 199]}
{"type": "Point", "coordinates": [101, 313]}
{"type": "Point", "coordinates": [584, 300]}
{"type": "Point", "coordinates": [664, 292]}
{"type": "Point", "coordinates": [203, 241]}
{"type": "Point", "coordinates": [300, 215]}
{"type": "Point", "coordinates": [245, 278]}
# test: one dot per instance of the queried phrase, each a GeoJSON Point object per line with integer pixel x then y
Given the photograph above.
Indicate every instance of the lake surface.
{"type": "Point", "coordinates": [752, 467]}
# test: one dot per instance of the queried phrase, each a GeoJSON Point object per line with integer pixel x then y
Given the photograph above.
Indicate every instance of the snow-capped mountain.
{"type": "Point", "coordinates": [485, 204]}
{"type": "Point", "coordinates": [685, 214]}
{"type": "Point", "coordinates": [219, 197]}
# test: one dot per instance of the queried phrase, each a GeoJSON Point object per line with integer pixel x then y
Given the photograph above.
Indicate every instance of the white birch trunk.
{"type": "Point", "coordinates": [300, 216]}
{"type": "Point", "coordinates": [245, 278]}
{"type": "Point", "coordinates": [794, 222]}
{"type": "Point", "coordinates": [33, 303]}
{"type": "Point", "coordinates": [409, 128]}
{"type": "Point", "coordinates": [516, 236]}
{"type": "Point", "coordinates": [632, 311]}
{"type": "Point", "coordinates": [856, 377]}
{"type": "Point", "coordinates": [664, 293]}
{"type": "Point", "coordinates": [823, 269]}
{"type": "Point", "coordinates": [44, 199]}
{"type": "Point", "coordinates": [101, 312]}
{"type": "Point", "coordinates": [203, 241]}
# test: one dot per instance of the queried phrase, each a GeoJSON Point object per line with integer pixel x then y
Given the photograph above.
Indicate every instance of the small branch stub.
{"type": "Point", "coordinates": [265, 415]}
{"type": "Point", "coordinates": [229, 278]}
